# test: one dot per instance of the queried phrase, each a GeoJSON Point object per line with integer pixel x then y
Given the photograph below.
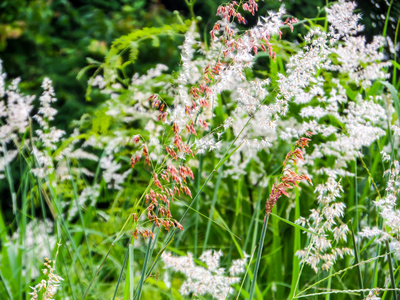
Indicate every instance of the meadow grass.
{"type": "Point", "coordinates": [193, 184]}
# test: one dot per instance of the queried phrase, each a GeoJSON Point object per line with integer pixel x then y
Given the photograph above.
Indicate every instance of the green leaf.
{"type": "Point", "coordinates": [395, 64]}
{"type": "Point", "coordinates": [93, 61]}
{"type": "Point", "coordinates": [226, 158]}
{"type": "Point", "coordinates": [292, 224]}
{"type": "Point", "coordinates": [83, 71]}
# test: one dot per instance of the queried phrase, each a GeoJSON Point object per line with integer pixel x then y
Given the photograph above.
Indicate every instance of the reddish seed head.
{"type": "Point", "coordinates": [136, 138]}
{"type": "Point", "coordinates": [263, 48]}
{"type": "Point", "coordinates": [175, 128]}
{"type": "Point", "coordinates": [309, 133]}
{"type": "Point", "coordinates": [157, 182]}
{"type": "Point", "coordinates": [147, 161]}
{"type": "Point", "coordinates": [134, 217]}
{"type": "Point", "coordinates": [303, 142]}
{"type": "Point", "coordinates": [187, 149]}
{"type": "Point", "coordinates": [255, 49]}
{"type": "Point", "coordinates": [145, 150]}
{"type": "Point", "coordinates": [290, 179]}
{"type": "Point", "coordinates": [135, 159]}
{"type": "Point", "coordinates": [179, 225]}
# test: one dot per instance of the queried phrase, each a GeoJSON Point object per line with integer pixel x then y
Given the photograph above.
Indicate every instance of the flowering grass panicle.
{"type": "Point", "coordinates": [211, 280]}
{"type": "Point", "coordinates": [386, 207]}
{"type": "Point", "coordinates": [322, 222]}
{"type": "Point", "coordinates": [290, 178]}
{"type": "Point", "coordinates": [47, 287]}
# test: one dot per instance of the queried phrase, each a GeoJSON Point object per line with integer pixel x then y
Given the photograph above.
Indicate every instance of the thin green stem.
{"type": "Point", "coordinates": [122, 268]}
{"type": "Point", "coordinates": [393, 282]}
{"type": "Point", "coordinates": [259, 254]}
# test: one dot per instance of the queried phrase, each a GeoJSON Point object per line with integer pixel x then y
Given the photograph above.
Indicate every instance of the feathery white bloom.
{"type": "Point", "coordinates": [110, 173]}
{"type": "Point", "coordinates": [89, 194]}
{"type": "Point", "coordinates": [322, 223]}
{"type": "Point", "coordinates": [386, 207]}
{"type": "Point", "coordinates": [211, 280]}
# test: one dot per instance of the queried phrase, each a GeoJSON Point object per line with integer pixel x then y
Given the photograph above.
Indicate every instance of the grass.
{"type": "Point", "coordinates": [100, 258]}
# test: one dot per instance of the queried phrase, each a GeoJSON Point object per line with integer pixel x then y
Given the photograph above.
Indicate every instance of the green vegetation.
{"type": "Point", "coordinates": [180, 158]}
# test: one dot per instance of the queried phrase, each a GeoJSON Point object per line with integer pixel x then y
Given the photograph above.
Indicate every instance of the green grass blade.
{"type": "Point", "coordinates": [359, 276]}
{"type": "Point", "coordinates": [214, 200]}
{"type": "Point", "coordinates": [387, 19]}
{"type": "Point", "coordinates": [253, 222]}
{"type": "Point", "coordinates": [97, 272]}
{"type": "Point", "coordinates": [219, 165]}
{"type": "Point", "coordinates": [297, 246]}
{"type": "Point", "coordinates": [122, 269]}
{"type": "Point", "coordinates": [75, 191]}
{"type": "Point", "coordinates": [394, 80]}
{"type": "Point", "coordinates": [196, 217]}
{"type": "Point", "coordinates": [6, 285]}
{"type": "Point", "coordinates": [146, 261]}
{"type": "Point", "coordinates": [328, 296]}
{"type": "Point", "coordinates": [131, 273]}
{"type": "Point", "coordinates": [276, 270]}
{"type": "Point", "coordinates": [158, 256]}
{"type": "Point", "coordinates": [259, 254]}
{"type": "Point", "coordinates": [292, 224]}
{"type": "Point", "coordinates": [245, 274]}
{"type": "Point", "coordinates": [393, 282]}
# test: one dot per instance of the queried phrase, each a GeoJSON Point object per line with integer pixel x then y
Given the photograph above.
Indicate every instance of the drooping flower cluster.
{"type": "Point", "coordinates": [290, 178]}
{"type": "Point", "coordinates": [323, 223]}
{"type": "Point", "coordinates": [206, 281]}
{"type": "Point", "coordinates": [16, 110]}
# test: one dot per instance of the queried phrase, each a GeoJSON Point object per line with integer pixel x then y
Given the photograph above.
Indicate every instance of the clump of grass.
{"type": "Point", "coordinates": [182, 162]}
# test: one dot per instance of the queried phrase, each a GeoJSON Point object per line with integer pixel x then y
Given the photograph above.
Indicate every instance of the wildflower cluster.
{"type": "Point", "coordinates": [202, 281]}
{"type": "Point", "coordinates": [386, 206]}
{"type": "Point", "coordinates": [47, 136]}
{"type": "Point", "coordinates": [48, 158]}
{"type": "Point", "coordinates": [322, 223]}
